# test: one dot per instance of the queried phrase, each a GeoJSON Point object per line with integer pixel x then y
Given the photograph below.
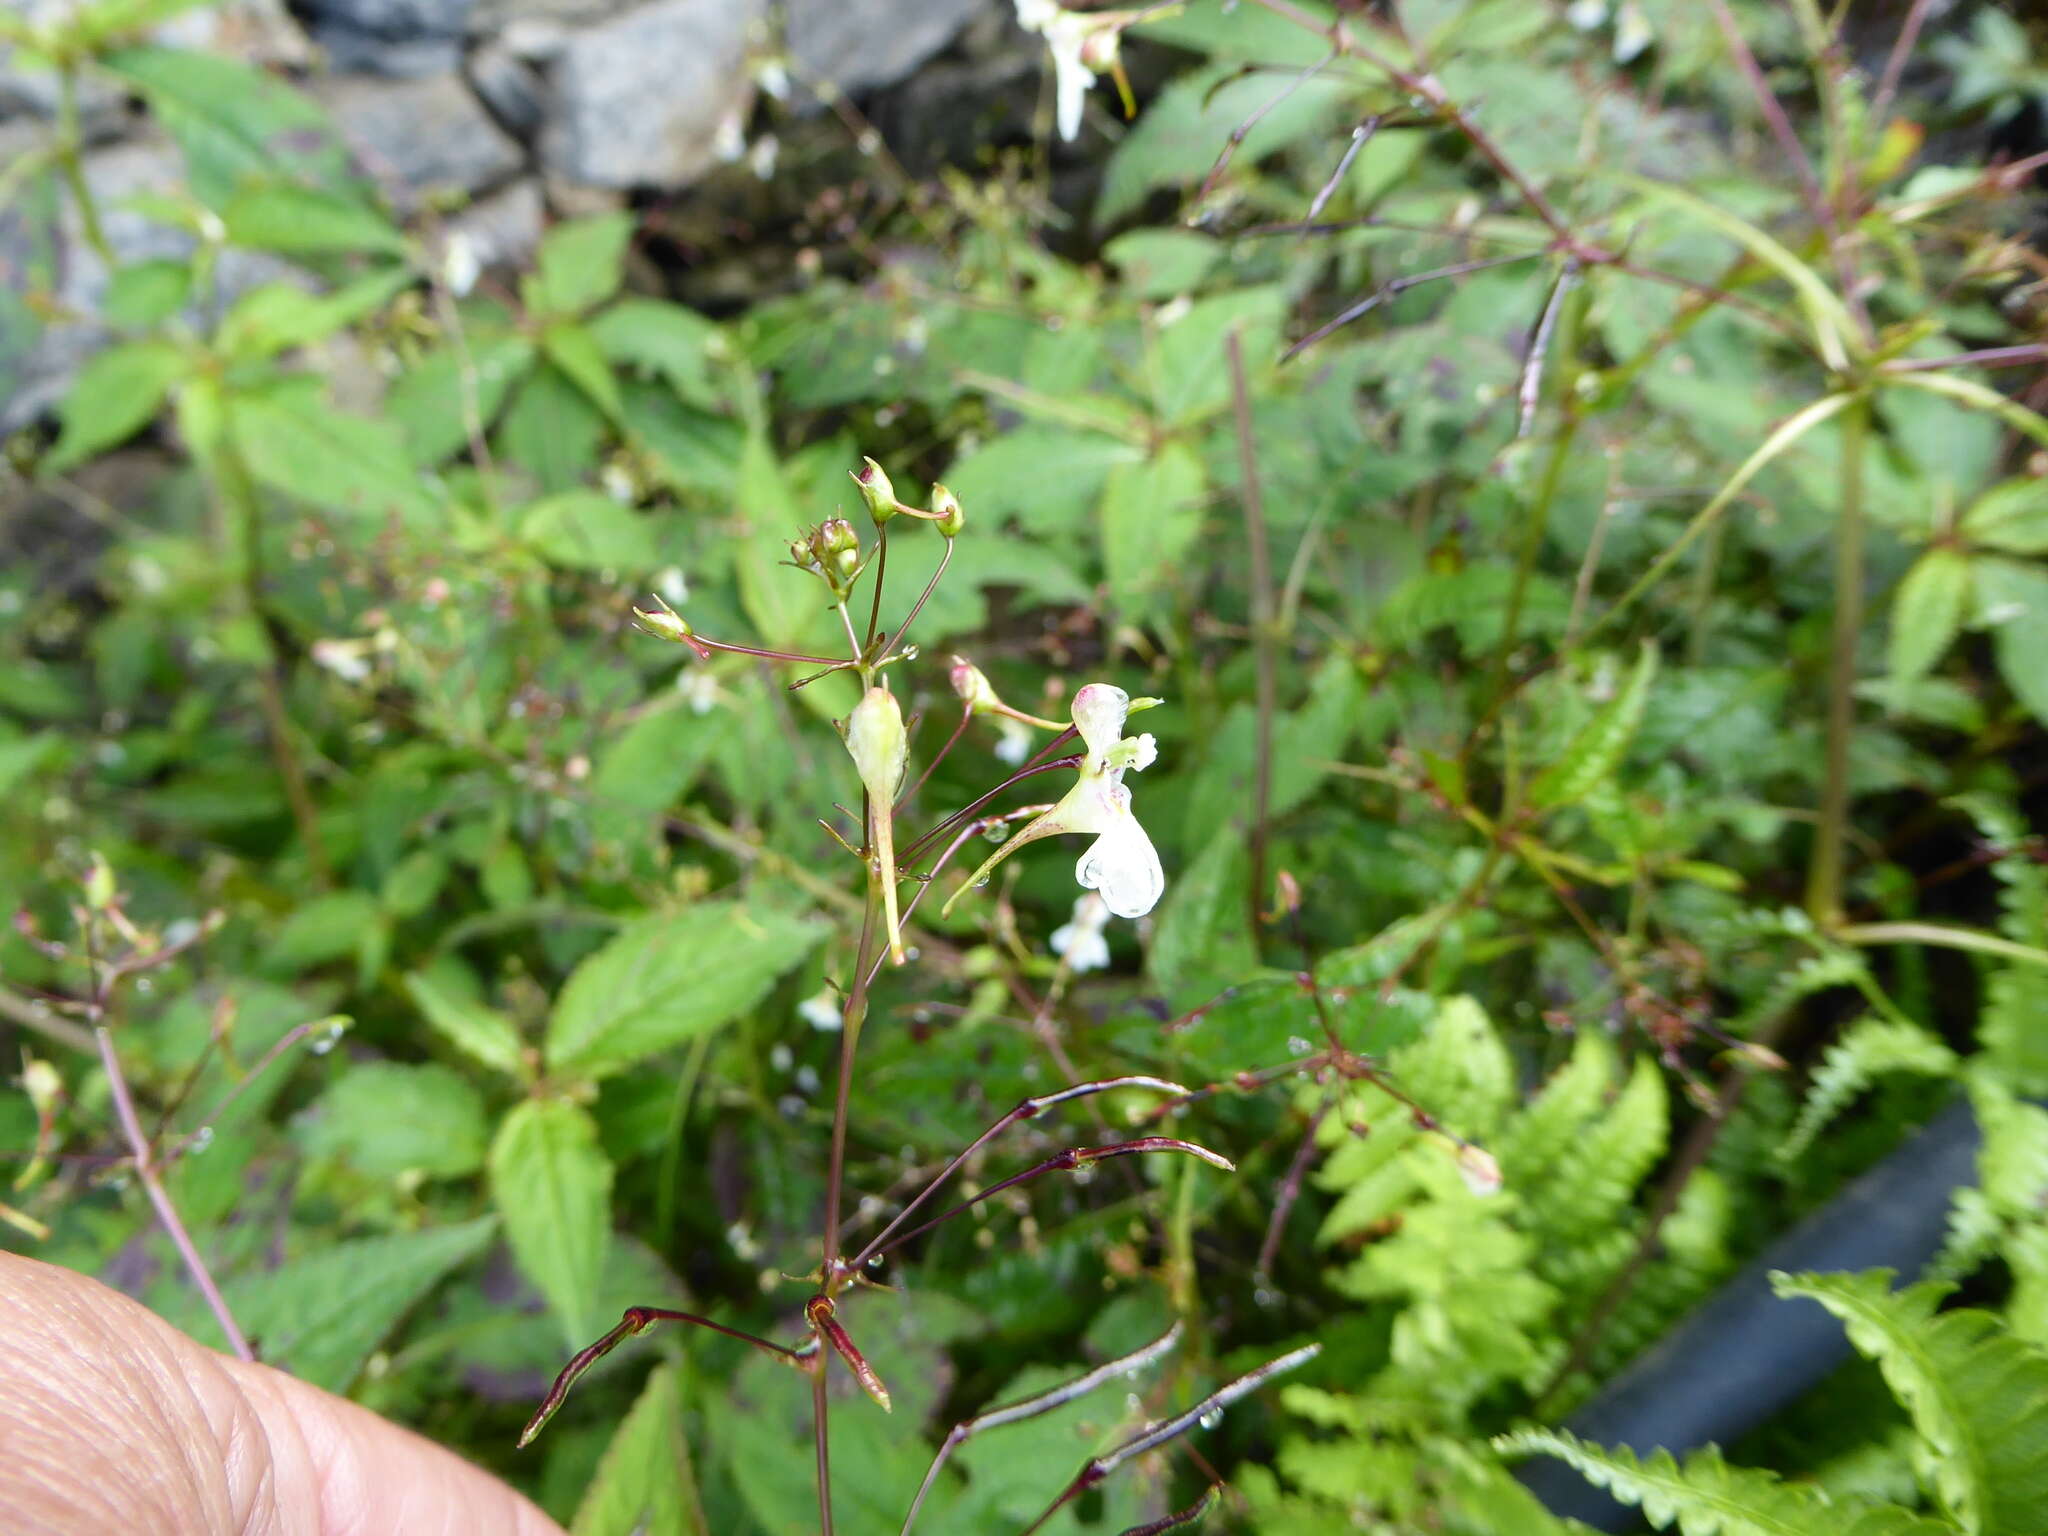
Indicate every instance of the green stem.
{"type": "Point", "coordinates": [70, 156]}
{"type": "Point", "coordinates": [1533, 533]}
{"type": "Point", "coordinates": [1824, 874]}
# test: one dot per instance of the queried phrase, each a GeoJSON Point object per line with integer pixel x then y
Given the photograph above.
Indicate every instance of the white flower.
{"type": "Point", "coordinates": [1080, 940]}
{"type": "Point", "coordinates": [1066, 34]}
{"type": "Point", "coordinates": [699, 689]}
{"type": "Point", "coordinates": [460, 267]}
{"type": "Point", "coordinates": [821, 1011]}
{"type": "Point", "coordinates": [1121, 864]}
{"type": "Point", "coordinates": [348, 660]}
{"type": "Point", "coordinates": [1014, 745]}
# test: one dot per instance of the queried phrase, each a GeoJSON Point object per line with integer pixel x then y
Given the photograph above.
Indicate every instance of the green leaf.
{"type": "Point", "coordinates": [668, 978]}
{"type": "Point", "coordinates": [278, 316]}
{"type": "Point", "coordinates": [480, 1032]}
{"type": "Point", "coordinates": [115, 396]}
{"type": "Point", "coordinates": [388, 1120]}
{"type": "Point", "coordinates": [1954, 386]}
{"type": "Point", "coordinates": [773, 597]}
{"type": "Point", "coordinates": [552, 1183]}
{"type": "Point", "coordinates": [1825, 312]}
{"type": "Point", "coordinates": [653, 337]}
{"type": "Point", "coordinates": [1191, 369]}
{"type": "Point", "coordinates": [305, 221]}
{"type": "Point", "coordinates": [581, 263]}
{"type": "Point", "coordinates": [1871, 1048]}
{"type": "Point", "coordinates": [320, 1316]}
{"type": "Point", "coordinates": [1150, 514]}
{"type": "Point", "coordinates": [1204, 939]}
{"type": "Point", "coordinates": [293, 439]}
{"type": "Point", "coordinates": [1708, 1497]}
{"type": "Point", "coordinates": [1596, 752]}
{"type": "Point", "coordinates": [1162, 263]}
{"type": "Point", "coordinates": [2012, 602]}
{"type": "Point", "coordinates": [1048, 478]}
{"type": "Point", "coordinates": [588, 531]}
{"type": "Point", "coordinates": [1977, 1396]}
{"type": "Point", "coordinates": [575, 351]}
{"type": "Point", "coordinates": [552, 429]}
{"type": "Point", "coordinates": [427, 402]}
{"type": "Point", "coordinates": [235, 123]}
{"type": "Point", "coordinates": [646, 1484]}
{"type": "Point", "coordinates": [2012, 516]}
{"type": "Point", "coordinates": [1928, 611]}
{"type": "Point", "coordinates": [147, 293]}
{"type": "Point", "coordinates": [326, 928]}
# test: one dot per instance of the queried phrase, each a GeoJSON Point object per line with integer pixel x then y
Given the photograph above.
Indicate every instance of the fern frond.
{"type": "Point", "coordinates": [1977, 1396]}
{"type": "Point", "coordinates": [1597, 1178]}
{"type": "Point", "coordinates": [1708, 1497]}
{"type": "Point", "coordinates": [1833, 967]}
{"type": "Point", "coordinates": [1544, 1132]}
{"type": "Point", "coordinates": [2024, 899]}
{"type": "Point", "coordinates": [1871, 1048]}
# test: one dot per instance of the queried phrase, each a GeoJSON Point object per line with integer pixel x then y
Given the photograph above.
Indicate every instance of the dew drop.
{"type": "Point", "coordinates": [1297, 1046]}
{"type": "Point", "coordinates": [1211, 1419]}
{"type": "Point", "coordinates": [201, 1140]}
{"type": "Point", "coordinates": [327, 1039]}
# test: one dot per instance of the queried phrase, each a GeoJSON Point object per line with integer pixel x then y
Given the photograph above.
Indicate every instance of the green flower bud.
{"type": "Point", "coordinates": [878, 744]}
{"type": "Point", "coordinates": [664, 622]}
{"type": "Point", "coordinates": [950, 519]}
{"type": "Point", "coordinates": [875, 490]}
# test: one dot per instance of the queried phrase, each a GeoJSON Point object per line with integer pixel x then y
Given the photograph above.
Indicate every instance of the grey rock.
{"type": "Point", "coordinates": [510, 87]}
{"type": "Point", "coordinates": [417, 137]}
{"type": "Point", "coordinates": [405, 38]}
{"type": "Point", "coordinates": [860, 44]}
{"type": "Point", "coordinates": [504, 229]}
{"type": "Point", "coordinates": [638, 100]}
{"type": "Point", "coordinates": [492, 17]}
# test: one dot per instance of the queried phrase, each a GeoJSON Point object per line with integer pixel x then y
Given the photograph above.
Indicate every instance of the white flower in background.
{"type": "Point", "coordinates": [773, 78]}
{"type": "Point", "coordinates": [729, 139]}
{"type": "Point", "coordinates": [1079, 941]}
{"type": "Point", "coordinates": [673, 586]}
{"type": "Point", "coordinates": [460, 267]}
{"type": "Point", "coordinates": [348, 660]}
{"type": "Point", "coordinates": [821, 1011]}
{"type": "Point", "coordinates": [1586, 14]}
{"type": "Point", "coordinates": [1121, 863]}
{"type": "Point", "coordinates": [1014, 745]}
{"type": "Point", "coordinates": [761, 158]}
{"type": "Point", "coordinates": [1067, 35]}
{"type": "Point", "coordinates": [699, 688]}
{"type": "Point", "coordinates": [1632, 32]}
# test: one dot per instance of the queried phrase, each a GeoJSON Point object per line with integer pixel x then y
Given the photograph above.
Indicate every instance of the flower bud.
{"type": "Point", "coordinates": [99, 884]}
{"type": "Point", "coordinates": [875, 490]}
{"type": "Point", "coordinates": [836, 546]}
{"type": "Point", "coordinates": [876, 741]}
{"type": "Point", "coordinates": [1479, 1169]}
{"type": "Point", "coordinates": [972, 686]}
{"type": "Point", "coordinates": [664, 622]}
{"type": "Point", "coordinates": [800, 555]}
{"type": "Point", "coordinates": [950, 518]}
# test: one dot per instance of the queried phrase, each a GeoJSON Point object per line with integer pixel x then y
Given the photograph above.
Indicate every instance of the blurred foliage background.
{"type": "Point", "coordinates": [1636, 658]}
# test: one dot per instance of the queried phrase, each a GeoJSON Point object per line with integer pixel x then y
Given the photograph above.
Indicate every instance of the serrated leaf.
{"type": "Point", "coordinates": [588, 531]}
{"type": "Point", "coordinates": [1927, 612]}
{"type": "Point", "coordinates": [480, 1032]}
{"type": "Point", "coordinates": [389, 1119]}
{"type": "Point", "coordinates": [322, 929]}
{"type": "Point", "coordinates": [552, 1183]}
{"type": "Point", "coordinates": [582, 263]}
{"type": "Point", "coordinates": [278, 316]}
{"type": "Point", "coordinates": [304, 221]}
{"type": "Point", "coordinates": [575, 351]}
{"type": "Point", "coordinates": [1593, 755]}
{"type": "Point", "coordinates": [665, 339]}
{"type": "Point", "coordinates": [427, 401]}
{"type": "Point", "coordinates": [1708, 1497]}
{"type": "Point", "coordinates": [1204, 938]}
{"type": "Point", "coordinates": [2012, 516]}
{"type": "Point", "coordinates": [646, 1484]}
{"type": "Point", "coordinates": [320, 1316]}
{"type": "Point", "coordinates": [291, 438]}
{"type": "Point", "coordinates": [115, 396]}
{"type": "Point", "coordinates": [1150, 512]}
{"type": "Point", "coordinates": [1977, 1396]}
{"type": "Point", "coordinates": [668, 978]}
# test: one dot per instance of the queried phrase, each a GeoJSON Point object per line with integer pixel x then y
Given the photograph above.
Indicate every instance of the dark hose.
{"type": "Point", "coordinates": [1745, 1354]}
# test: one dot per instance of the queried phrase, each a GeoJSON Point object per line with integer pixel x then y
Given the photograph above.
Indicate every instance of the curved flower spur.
{"type": "Point", "coordinates": [1121, 865]}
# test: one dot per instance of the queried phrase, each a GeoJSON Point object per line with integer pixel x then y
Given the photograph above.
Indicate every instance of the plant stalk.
{"type": "Point", "coordinates": [1824, 873]}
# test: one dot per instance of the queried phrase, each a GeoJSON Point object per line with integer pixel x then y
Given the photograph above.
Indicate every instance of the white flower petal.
{"type": "Point", "coordinates": [1099, 712]}
{"type": "Point", "coordinates": [1124, 867]}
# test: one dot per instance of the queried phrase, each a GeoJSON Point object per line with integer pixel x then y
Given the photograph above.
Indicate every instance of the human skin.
{"type": "Point", "coordinates": [112, 1421]}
